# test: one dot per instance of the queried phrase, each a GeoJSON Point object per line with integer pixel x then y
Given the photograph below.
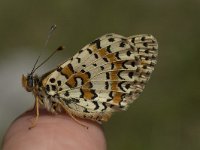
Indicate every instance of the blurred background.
{"type": "Point", "coordinates": [166, 115]}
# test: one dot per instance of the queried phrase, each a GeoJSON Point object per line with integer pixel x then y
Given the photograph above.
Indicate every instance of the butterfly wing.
{"type": "Point", "coordinates": [105, 76]}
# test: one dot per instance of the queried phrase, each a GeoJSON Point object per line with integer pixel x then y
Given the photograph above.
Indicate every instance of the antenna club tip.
{"type": "Point", "coordinates": [60, 48]}
{"type": "Point", "coordinates": [53, 27]}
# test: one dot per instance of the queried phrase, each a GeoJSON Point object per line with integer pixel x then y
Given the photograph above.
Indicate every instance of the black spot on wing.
{"type": "Point", "coordinates": [79, 60]}
{"type": "Point", "coordinates": [83, 71]}
{"type": "Point", "coordinates": [127, 86]}
{"type": "Point", "coordinates": [80, 51]}
{"type": "Point", "coordinates": [108, 49]}
{"type": "Point", "coordinates": [112, 65]}
{"type": "Point", "coordinates": [53, 87]}
{"type": "Point", "coordinates": [66, 94]}
{"type": "Point", "coordinates": [59, 69]}
{"type": "Point", "coordinates": [107, 75]}
{"type": "Point", "coordinates": [133, 64]}
{"type": "Point", "coordinates": [94, 93]}
{"type": "Point", "coordinates": [52, 80]}
{"type": "Point", "coordinates": [117, 55]}
{"type": "Point", "coordinates": [105, 59]}
{"type": "Point", "coordinates": [71, 100]}
{"type": "Point", "coordinates": [145, 44]}
{"type": "Point", "coordinates": [122, 44]}
{"type": "Point", "coordinates": [128, 53]}
{"type": "Point", "coordinates": [96, 56]}
{"type": "Point", "coordinates": [74, 100]}
{"type": "Point", "coordinates": [111, 96]}
{"type": "Point", "coordinates": [123, 64]}
{"type": "Point", "coordinates": [102, 68]}
{"type": "Point", "coordinates": [146, 51]}
{"type": "Point", "coordinates": [106, 85]}
{"type": "Point", "coordinates": [120, 85]}
{"type": "Point", "coordinates": [97, 42]}
{"type": "Point", "coordinates": [105, 107]}
{"type": "Point", "coordinates": [89, 51]}
{"type": "Point", "coordinates": [130, 74]}
{"type": "Point", "coordinates": [111, 39]}
{"type": "Point", "coordinates": [96, 105]}
{"type": "Point", "coordinates": [59, 83]}
{"type": "Point", "coordinates": [82, 93]}
{"type": "Point", "coordinates": [143, 38]}
{"type": "Point", "coordinates": [118, 74]}
{"type": "Point", "coordinates": [144, 67]}
{"type": "Point", "coordinates": [47, 88]}
{"type": "Point", "coordinates": [133, 40]}
{"type": "Point", "coordinates": [89, 74]}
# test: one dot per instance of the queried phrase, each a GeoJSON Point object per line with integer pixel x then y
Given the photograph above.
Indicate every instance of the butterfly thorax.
{"type": "Point", "coordinates": [34, 84]}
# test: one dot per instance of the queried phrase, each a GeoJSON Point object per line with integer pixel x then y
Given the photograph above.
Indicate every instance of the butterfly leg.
{"type": "Point", "coordinates": [77, 121]}
{"type": "Point", "coordinates": [34, 122]}
{"type": "Point", "coordinates": [70, 114]}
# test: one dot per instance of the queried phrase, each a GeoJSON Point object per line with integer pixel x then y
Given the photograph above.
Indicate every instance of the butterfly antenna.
{"type": "Point", "coordinates": [60, 48]}
{"type": "Point", "coordinates": [52, 29]}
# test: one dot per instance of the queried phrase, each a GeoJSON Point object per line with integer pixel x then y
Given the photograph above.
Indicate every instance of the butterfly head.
{"type": "Point", "coordinates": [28, 82]}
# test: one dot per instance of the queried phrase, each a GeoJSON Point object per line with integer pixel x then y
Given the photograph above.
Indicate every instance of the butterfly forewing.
{"type": "Point", "coordinates": [104, 76]}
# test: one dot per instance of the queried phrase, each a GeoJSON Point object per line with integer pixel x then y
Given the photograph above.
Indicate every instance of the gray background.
{"type": "Point", "coordinates": [166, 116]}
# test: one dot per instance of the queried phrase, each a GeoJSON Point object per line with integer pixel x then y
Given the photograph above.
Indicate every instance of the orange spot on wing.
{"type": "Point", "coordinates": [118, 65]}
{"type": "Point", "coordinates": [67, 71]}
{"type": "Point", "coordinates": [71, 82]}
{"type": "Point", "coordinates": [114, 75]}
{"type": "Point", "coordinates": [106, 116]}
{"type": "Point", "coordinates": [87, 85]}
{"type": "Point", "coordinates": [117, 98]}
{"type": "Point", "coordinates": [114, 86]}
{"type": "Point", "coordinates": [102, 52]}
{"type": "Point", "coordinates": [87, 94]}
{"type": "Point", "coordinates": [111, 57]}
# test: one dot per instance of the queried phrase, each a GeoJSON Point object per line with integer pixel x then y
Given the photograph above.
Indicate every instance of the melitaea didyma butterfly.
{"type": "Point", "coordinates": [103, 77]}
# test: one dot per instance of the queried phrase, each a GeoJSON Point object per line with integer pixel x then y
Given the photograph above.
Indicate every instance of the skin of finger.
{"type": "Point", "coordinates": [52, 132]}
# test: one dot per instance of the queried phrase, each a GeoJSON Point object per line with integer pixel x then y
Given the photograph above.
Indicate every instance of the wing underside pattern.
{"type": "Point", "coordinates": [104, 76]}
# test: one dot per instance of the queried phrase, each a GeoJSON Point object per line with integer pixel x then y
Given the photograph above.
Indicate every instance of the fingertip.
{"type": "Point", "coordinates": [53, 132]}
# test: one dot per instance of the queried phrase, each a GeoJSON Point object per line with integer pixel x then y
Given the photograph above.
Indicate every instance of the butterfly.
{"type": "Point", "coordinates": [103, 77]}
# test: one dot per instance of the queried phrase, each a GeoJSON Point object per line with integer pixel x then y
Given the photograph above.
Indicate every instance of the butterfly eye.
{"type": "Point", "coordinates": [30, 81]}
